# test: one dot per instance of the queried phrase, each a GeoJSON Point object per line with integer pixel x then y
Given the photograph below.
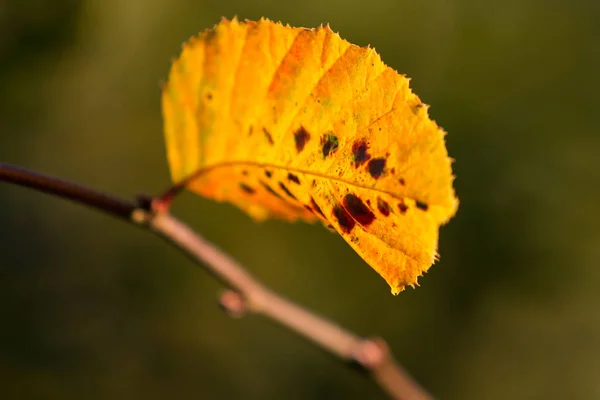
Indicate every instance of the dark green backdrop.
{"type": "Point", "coordinates": [93, 308]}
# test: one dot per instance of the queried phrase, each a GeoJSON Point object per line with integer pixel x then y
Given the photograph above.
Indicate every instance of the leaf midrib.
{"type": "Point", "coordinates": [256, 164]}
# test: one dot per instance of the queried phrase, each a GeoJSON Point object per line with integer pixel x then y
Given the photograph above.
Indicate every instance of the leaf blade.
{"type": "Point", "coordinates": [273, 101]}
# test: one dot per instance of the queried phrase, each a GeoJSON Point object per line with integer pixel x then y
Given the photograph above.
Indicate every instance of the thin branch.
{"type": "Point", "coordinates": [247, 294]}
{"type": "Point", "coordinates": [67, 190]}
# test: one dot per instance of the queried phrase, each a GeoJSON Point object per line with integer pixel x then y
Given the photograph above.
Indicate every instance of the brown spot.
{"type": "Point", "coordinates": [244, 172]}
{"type": "Point", "coordinates": [316, 207]}
{"type": "Point", "coordinates": [268, 136]}
{"type": "Point", "coordinates": [359, 210]}
{"type": "Point", "coordinates": [359, 150]}
{"type": "Point", "coordinates": [268, 173]}
{"type": "Point", "coordinates": [415, 108]}
{"type": "Point", "coordinates": [309, 208]}
{"type": "Point", "coordinates": [402, 181]}
{"type": "Point", "coordinates": [209, 35]}
{"type": "Point", "coordinates": [209, 96]}
{"type": "Point", "coordinates": [250, 130]}
{"type": "Point", "coordinates": [383, 207]}
{"type": "Point", "coordinates": [293, 178]}
{"type": "Point", "coordinates": [330, 144]}
{"type": "Point", "coordinates": [247, 188]}
{"type": "Point", "coordinates": [286, 190]}
{"type": "Point", "coordinates": [270, 190]}
{"type": "Point", "coordinates": [402, 207]}
{"type": "Point", "coordinates": [393, 171]}
{"type": "Point", "coordinates": [421, 206]}
{"type": "Point", "coordinates": [376, 167]}
{"type": "Point", "coordinates": [343, 218]}
{"type": "Point", "coordinates": [301, 136]}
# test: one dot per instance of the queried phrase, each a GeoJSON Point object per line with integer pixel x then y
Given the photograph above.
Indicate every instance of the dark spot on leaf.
{"type": "Point", "coordinates": [415, 108]}
{"type": "Point", "coordinates": [402, 207]}
{"type": "Point", "coordinates": [270, 190]}
{"type": "Point", "coordinates": [316, 207]}
{"type": "Point", "coordinates": [293, 178]}
{"type": "Point", "coordinates": [343, 218]}
{"type": "Point", "coordinates": [359, 210]}
{"type": "Point", "coordinates": [244, 172]}
{"type": "Point", "coordinates": [383, 207]}
{"type": "Point", "coordinates": [286, 190]}
{"type": "Point", "coordinates": [331, 227]}
{"type": "Point", "coordinates": [209, 96]}
{"type": "Point", "coordinates": [210, 35]}
{"type": "Point", "coordinates": [309, 208]}
{"type": "Point", "coordinates": [250, 129]}
{"type": "Point", "coordinates": [301, 136]}
{"type": "Point", "coordinates": [268, 173]}
{"type": "Point", "coordinates": [402, 181]}
{"type": "Point", "coordinates": [359, 151]}
{"type": "Point", "coordinates": [421, 206]}
{"type": "Point", "coordinates": [247, 188]}
{"type": "Point", "coordinates": [330, 144]}
{"type": "Point", "coordinates": [376, 167]}
{"type": "Point", "coordinates": [268, 136]}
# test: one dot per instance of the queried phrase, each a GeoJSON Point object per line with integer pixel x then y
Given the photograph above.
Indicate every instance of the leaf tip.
{"type": "Point", "coordinates": [397, 289]}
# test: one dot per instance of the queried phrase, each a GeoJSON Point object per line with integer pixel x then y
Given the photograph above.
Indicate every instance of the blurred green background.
{"type": "Point", "coordinates": [93, 308]}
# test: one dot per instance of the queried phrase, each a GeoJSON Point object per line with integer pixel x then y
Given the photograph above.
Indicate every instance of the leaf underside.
{"type": "Point", "coordinates": [297, 123]}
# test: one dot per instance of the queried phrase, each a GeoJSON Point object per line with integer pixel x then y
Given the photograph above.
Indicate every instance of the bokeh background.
{"type": "Point", "coordinates": [93, 308]}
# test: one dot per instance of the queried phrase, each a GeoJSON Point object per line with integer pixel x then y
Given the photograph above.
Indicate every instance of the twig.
{"type": "Point", "coordinates": [67, 190]}
{"type": "Point", "coordinates": [246, 294]}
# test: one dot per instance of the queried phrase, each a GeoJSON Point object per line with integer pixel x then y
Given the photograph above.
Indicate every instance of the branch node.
{"type": "Point", "coordinates": [233, 303]}
{"type": "Point", "coordinates": [144, 202]}
{"type": "Point", "coordinates": [161, 205]}
{"type": "Point", "coordinates": [140, 217]}
{"type": "Point", "coordinates": [148, 207]}
{"type": "Point", "coordinates": [154, 205]}
{"type": "Point", "coordinates": [371, 353]}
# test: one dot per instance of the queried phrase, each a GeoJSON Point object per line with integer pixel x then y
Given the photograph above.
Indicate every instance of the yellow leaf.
{"type": "Point", "coordinates": [297, 123]}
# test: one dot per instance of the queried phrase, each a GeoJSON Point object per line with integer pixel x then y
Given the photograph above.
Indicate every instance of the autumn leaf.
{"type": "Point", "coordinates": [298, 123]}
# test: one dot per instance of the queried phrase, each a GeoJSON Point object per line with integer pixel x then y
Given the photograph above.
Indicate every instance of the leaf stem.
{"type": "Point", "coordinates": [247, 293]}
